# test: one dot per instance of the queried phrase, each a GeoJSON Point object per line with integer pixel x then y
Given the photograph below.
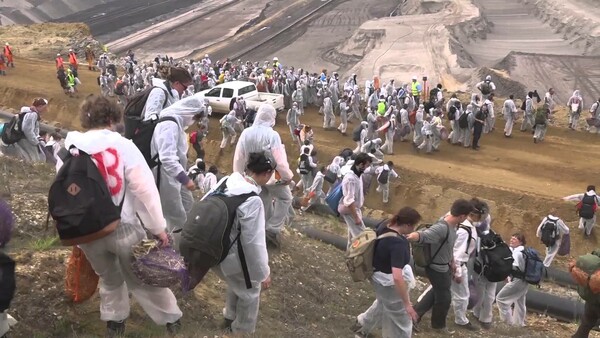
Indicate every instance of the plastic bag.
{"type": "Point", "coordinates": [159, 267]}
{"type": "Point", "coordinates": [81, 280]}
{"type": "Point", "coordinates": [565, 245]}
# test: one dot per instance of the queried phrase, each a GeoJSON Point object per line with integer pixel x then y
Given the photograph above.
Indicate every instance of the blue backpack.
{"type": "Point", "coordinates": [534, 267]}
{"type": "Point", "coordinates": [334, 198]}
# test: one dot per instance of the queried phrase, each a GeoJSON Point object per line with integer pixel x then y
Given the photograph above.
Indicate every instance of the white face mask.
{"type": "Point", "coordinates": [476, 224]}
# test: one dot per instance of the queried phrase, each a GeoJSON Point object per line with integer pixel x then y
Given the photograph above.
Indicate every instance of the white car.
{"type": "Point", "coordinates": [221, 97]}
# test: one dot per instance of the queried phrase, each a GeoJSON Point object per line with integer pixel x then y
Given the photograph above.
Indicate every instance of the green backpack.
{"type": "Point", "coordinates": [422, 251]}
{"type": "Point", "coordinates": [588, 263]}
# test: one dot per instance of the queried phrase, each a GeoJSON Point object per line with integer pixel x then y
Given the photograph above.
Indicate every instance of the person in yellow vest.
{"type": "Point", "coordinates": [415, 90]}
{"type": "Point", "coordinates": [90, 57]}
{"type": "Point", "coordinates": [73, 59]}
{"type": "Point", "coordinates": [8, 53]}
{"type": "Point", "coordinates": [59, 61]}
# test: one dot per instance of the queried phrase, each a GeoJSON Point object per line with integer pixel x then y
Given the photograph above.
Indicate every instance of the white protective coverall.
{"type": "Point", "coordinates": [128, 177]}
{"type": "Point", "coordinates": [514, 292]}
{"type": "Point", "coordinates": [276, 195]}
{"type": "Point", "coordinates": [586, 224]}
{"type": "Point", "coordinates": [293, 121]}
{"type": "Point", "coordinates": [575, 105]}
{"type": "Point", "coordinates": [486, 290]}
{"type": "Point", "coordinates": [528, 119]}
{"type": "Point", "coordinates": [328, 116]}
{"type": "Point", "coordinates": [384, 188]}
{"type": "Point", "coordinates": [241, 304]}
{"type": "Point", "coordinates": [317, 189]}
{"type": "Point", "coordinates": [388, 145]}
{"type": "Point", "coordinates": [156, 99]}
{"type": "Point", "coordinates": [509, 109]}
{"type": "Point", "coordinates": [562, 228]}
{"type": "Point", "coordinates": [418, 128]}
{"type": "Point", "coordinates": [28, 148]}
{"type": "Point", "coordinates": [352, 190]}
{"type": "Point", "coordinates": [169, 142]}
{"type": "Point", "coordinates": [229, 123]}
{"type": "Point", "coordinates": [364, 136]}
{"type": "Point", "coordinates": [462, 252]}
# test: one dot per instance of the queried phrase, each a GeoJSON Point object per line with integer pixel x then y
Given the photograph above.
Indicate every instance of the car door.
{"type": "Point", "coordinates": [227, 97]}
{"type": "Point", "coordinates": [214, 98]}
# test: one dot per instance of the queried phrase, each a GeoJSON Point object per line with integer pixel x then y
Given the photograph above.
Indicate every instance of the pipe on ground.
{"type": "Point", "coordinates": [558, 307]}
{"type": "Point", "coordinates": [557, 276]}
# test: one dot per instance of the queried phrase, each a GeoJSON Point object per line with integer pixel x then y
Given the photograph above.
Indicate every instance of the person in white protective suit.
{"type": "Point", "coordinates": [388, 145]}
{"type": "Point", "coordinates": [353, 195]}
{"type": "Point", "coordinates": [561, 230]}
{"type": "Point", "coordinates": [528, 119]}
{"type": "Point", "coordinates": [166, 92]}
{"type": "Point", "coordinates": [276, 194]}
{"type": "Point", "coordinates": [384, 174]}
{"type": "Point", "coordinates": [574, 105]}
{"type": "Point", "coordinates": [392, 280]}
{"type": "Point", "coordinates": [344, 110]}
{"type": "Point", "coordinates": [228, 126]}
{"type": "Point", "coordinates": [328, 116]}
{"type": "Point", "coordinates": [509, 110]}
{"type": "Point", "coordinates": [242, 303]}
{"type": "Point", "coordinates": [316, 189]}
{"type": "Point", "coordinates": [371, 145]}
{"type": "Point", "coordinates": [130, 181]}
{"type": "Point", "coordinates": [169, 143]}
{"type": "Point", "coordinates": [486, 290]}
{"type": "Point", "coordinates": [515, 291]}
{"type": "Point", "coordinates": [587, 201]}
{"type": "Point", "coordinates": [464, 246]}
{"type": "Point", "coordinates": [293, 121]}
{"type": "Point", "coordinates": [29, 148]}
{"type": "Point", "coordinates": [363, 136]}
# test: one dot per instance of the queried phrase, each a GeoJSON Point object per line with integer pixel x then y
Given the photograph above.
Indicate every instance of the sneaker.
{"type": "Point", "coordinates": [115, 329]}
{"type": "Point", "coordinates": [444, 331]}
{"type": "Point", "coordinates": [174, 328]}
{"type": "Point", "coordinates": [468, 326]}
{"type": "Point", "coordinates": [356, 329]}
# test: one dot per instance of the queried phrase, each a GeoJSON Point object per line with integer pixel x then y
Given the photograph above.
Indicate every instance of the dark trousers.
{"type": "Point", "coordinates": [591, 314]}
{"type": "Point", "coordinates": [199, 151]}
{"type": "Point", "coordinates": [477, 129]}
{"type": "Point", "coordinates": [437, 299]}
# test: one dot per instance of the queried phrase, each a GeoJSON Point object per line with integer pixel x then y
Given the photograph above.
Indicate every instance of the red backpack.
{"type": "Point", "coordinates": [193, 137]}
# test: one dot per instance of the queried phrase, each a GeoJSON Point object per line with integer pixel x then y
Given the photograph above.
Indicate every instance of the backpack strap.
{"type": "Point", "coordinates": [470, 232]}
{"type": "Point", "coordinates": [388, 234]}
{"type": "Point", "coordinates": [440, 247]}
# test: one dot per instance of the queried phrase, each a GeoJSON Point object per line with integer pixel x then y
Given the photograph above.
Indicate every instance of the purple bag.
{"type": "Point", "coordinates": [159, 267]}
{"type": "Point", "coordinates": [7, 221]}
{"type": "Point", "coordinates": [565, 245]}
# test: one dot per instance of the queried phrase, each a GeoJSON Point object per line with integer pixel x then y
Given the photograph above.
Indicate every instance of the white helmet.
{"type": "Point", "coordinates": [206, 55]}
{"type": "Point", "coordinates": [275, 59]}
{"type": "Point", "coordinates": [414, 77]}
{"type": "Point", "coordinates": [488, 78]}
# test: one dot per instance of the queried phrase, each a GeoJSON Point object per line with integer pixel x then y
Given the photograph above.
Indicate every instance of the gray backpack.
{"type": "Point", "coordinates": [206, 236]}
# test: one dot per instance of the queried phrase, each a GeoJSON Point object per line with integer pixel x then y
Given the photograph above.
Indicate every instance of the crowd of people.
{"type": "Point", "coordinates": [156, 190]}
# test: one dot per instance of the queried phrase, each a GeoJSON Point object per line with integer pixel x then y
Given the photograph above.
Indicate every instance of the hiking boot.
{"type": "Point", "coordinates": [115, 329]}
{"type": "Point", "coordinates": [468, 326]}
{"type": "Point", "coordinates": [174, 328]}
{"type": "Point", "coordinates": [485, 326]}
{"type": "Point", "coordinates": [443, 331]}
{"type": "Point", "coordinates": [273, 239]}
{"type": "Point", "coordinates": [356, 328]}
{"type": "Point", "coordinates": [534, 140]}
{"type": "Point", "coordinates": [226, 325]}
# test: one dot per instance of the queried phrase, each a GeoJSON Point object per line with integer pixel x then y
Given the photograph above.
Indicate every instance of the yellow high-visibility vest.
{"type": "Point", "coordinates": [415, 89]}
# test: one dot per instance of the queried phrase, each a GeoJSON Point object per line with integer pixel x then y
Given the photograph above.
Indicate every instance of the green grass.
{"type": "Point", "coordinates": [44, 243]}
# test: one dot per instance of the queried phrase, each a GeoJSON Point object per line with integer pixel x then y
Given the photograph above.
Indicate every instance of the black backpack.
{"type": "Point", "coordinates": [356, 133]}
{"type": "Point", "coordinates": [549, 232]}
{"type": "Point", "coordinates": [384, 176]}
{"type": "Point", "coordinates": [433, 95]}
{"type": "Point", "coordinates": [304, 165]}
{"type": "Point", "coordinates": [524, 105]}
{"type": "Point", "coordinates": [80, 203]}
{"type": "Point", "coordinates": [452, 113]}
{"type": "Point", "coordinates": [7, 281]}
{"type": "Point", "coordinates": [470, 233]}
{"type": "Point", "coordinates": [133, 112]}
{"type": "Point", "coordinates": [143, 138]}
{"type": "Point", "coordinates": [13, 130]}
{"type": "Point", "coordinates": [486, 87]}
{"type": "Point", "coordinates": [494, 258]}
{"type": "Point", "coordinates": [587, 207]}
{"type": "Point", "coordinates": [463, 120]}
{"type": "Point", "coordinates": [206, 236]}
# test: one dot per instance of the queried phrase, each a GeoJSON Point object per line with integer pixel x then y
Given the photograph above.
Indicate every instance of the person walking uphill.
{"type": "Point", "coordinates": [276, 193]}
{"type": "Point", "coordinates": [441, 237]}
{"type": "Point", "coordinates": [353, 196]}
{"type": "Point", "coordinates": [242, 303]}
{"type": "Point", "coordinates": [25, 141]}
{"type": "Point", "coordinates": [586, 208]}
{"type": "Point", "coordinates": [129, 181]}
{"type": "Point", "coordinates": [392, 305]}
{"type": "Point", "coordinates": [169, 143]}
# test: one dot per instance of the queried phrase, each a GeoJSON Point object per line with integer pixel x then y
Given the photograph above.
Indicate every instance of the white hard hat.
{"type": "Point", "coordinates": [70, 50]}
{"type": "Point", "coordinates": [58, 54]}
{"type": "Point", "coordinates": [275, 59]}
{"type": "Point", "coordinates": [414, 77]}
{"type": "Point", "coordinates": [205, 55]}
{"type": "Point", "coordinates": [7, 43]}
